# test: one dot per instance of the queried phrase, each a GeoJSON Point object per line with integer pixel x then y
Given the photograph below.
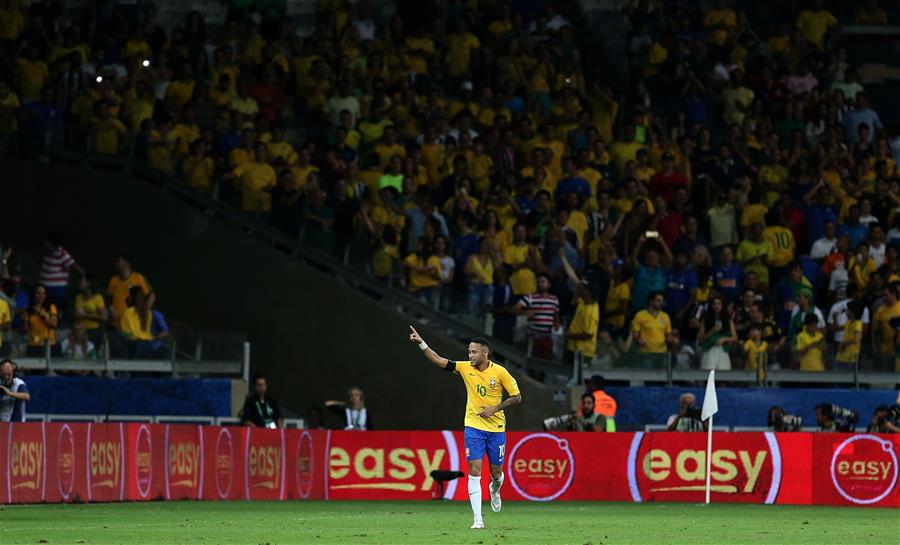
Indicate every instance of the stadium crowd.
{"type": "Point", "coordinates": [731, 203]}
{"type": "Point", "coordinates": [43, 314]}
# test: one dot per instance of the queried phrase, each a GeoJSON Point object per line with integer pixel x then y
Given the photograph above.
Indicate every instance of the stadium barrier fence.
{"type": "Point", "coordinates": [88, 462]}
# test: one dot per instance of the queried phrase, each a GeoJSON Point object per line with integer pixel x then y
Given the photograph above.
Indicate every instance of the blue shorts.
{"type": "Point", "coordinates": [477, 441]}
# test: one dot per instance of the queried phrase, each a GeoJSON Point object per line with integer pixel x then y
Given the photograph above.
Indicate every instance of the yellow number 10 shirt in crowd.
{"type": "Point", "coordinates": [485, 389]}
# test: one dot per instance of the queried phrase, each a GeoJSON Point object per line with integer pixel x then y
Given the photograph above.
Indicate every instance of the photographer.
{"type": "Point", "coordinates": [13, 393]}
{"type": "Point", "coordinates": [688, 417]}
{"type": "Point", "coordinates": [588, 420]}
{"type": "Point", "coordinates": [832, 418]}
{"type": "Point", "coordinates": [885, 420]}
{"type": "Point", "coordinates": [780, 421]}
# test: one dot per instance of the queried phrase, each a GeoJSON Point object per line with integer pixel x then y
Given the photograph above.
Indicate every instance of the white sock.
{"type": "Point", "coordinates": [475, 496]}
{"type": "Point", "coordinates": [498, 482]}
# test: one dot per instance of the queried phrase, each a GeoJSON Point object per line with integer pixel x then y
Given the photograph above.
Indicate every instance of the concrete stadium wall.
{"type": "Point", "coordinates": [312, 335]}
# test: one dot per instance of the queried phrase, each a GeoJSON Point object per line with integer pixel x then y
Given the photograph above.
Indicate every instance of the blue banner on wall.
{"type": "Point", "coordinates": [638, 406]}
{"type": "Point", "coordinates": [94, 395]}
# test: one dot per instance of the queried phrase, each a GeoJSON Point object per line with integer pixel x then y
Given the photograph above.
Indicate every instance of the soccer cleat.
{"type": "Point", "coordinates": [478, 525]}
{"type": "Point", "coordinates": [496, 502]}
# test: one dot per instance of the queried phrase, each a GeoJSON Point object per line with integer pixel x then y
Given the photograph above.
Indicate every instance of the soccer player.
{"type": "Point", "coordinates": [485, 423]}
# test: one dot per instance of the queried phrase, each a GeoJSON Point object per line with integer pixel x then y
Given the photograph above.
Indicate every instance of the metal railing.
{"type": "Point", "coordinates": [671, 373]}
{"type": "Point", "coordinates": [182, 357]}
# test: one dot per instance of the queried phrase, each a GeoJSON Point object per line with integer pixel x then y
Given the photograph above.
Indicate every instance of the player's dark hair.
{"type": "Point", "coordinates": [483, 342]}
{"type": "Point", "coordinates": [810, 318]}
{"type": "Point", "coordinates": [258, 376]}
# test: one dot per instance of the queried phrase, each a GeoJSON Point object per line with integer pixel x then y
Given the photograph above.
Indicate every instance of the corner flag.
{"type": "Point", "coordinates": [710, 407]}
{"type": "Point", "coordinates": [710, 402]}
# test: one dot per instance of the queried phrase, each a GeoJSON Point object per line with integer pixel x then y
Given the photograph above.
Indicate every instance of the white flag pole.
{"type": "Point", "coordinates": [708, 455]}
{"type": "Point", "coordinates": [710, 407]}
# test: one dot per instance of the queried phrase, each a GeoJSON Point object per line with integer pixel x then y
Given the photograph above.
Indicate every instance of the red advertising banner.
{"type": "Point", "coordinates": [57, 462]}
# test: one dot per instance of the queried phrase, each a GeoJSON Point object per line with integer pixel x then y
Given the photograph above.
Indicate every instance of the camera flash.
{"type": "Point", "coordinates": [99, 79]}
{"type": "Point", "coordinates": [145, 63]}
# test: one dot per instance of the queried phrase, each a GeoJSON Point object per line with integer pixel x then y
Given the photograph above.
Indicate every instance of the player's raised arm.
{"type": "Point", "coordinates": [429, 353]}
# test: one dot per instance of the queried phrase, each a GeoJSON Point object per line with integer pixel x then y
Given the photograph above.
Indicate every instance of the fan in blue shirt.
{"type": "Point", "coordinates": [681, 286]}
{"type": "Point", "coordinates": [728, 276]}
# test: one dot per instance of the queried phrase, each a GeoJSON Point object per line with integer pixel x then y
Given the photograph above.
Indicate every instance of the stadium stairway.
{"type": "Point", "coordinates": [315, 330]}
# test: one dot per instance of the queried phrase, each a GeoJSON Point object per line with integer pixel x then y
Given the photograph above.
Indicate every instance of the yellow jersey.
{"type": "Point", "coordinates": [92, 305]}
{"type": "Point", "coordinates": [586, 320]}
{"type": "Point", "coordinates": [419, 280]}
{"type": "Point", "coordinates": [132, 328]}
{"type": "Point", "coordinates": [523, 281]}
{"type": "Point", "coordinates": [882, 324]}
{"type": "Point", "coordinates": [485, 389]}
{"type": "Point", "coordinates": [617, 300]}
{"type": "Point", "coordinates": [783, 244]}
{"type": "Point", "coordinates": [812, 360]}
{"type": "Point", "coordinates": [653, 330]}
{"type": "Point", "coordinates": [118, 291]}
{"type": "Point", "coordinates": [849, 352]}
{"type": "Point", "coordinates": [38, 330]}
{"type": "Point", "coordinates": [754, 213]}
{"type": "Point", "coordinates": [5, 316]}
{"type": "Point", "coordinates": [756, 356]}
{"type": "Point", "coordinates": [748, 250]}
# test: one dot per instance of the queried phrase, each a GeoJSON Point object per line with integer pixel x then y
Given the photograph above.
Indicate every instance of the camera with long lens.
{"type": "Point", "coordinates": [840, 413]}
{"type": "Point", "coordinates": [781, 421]}
{"type": "Point", "coordinates": [564, 422]}
{"type": "Point", "coordinates": [844, 419]}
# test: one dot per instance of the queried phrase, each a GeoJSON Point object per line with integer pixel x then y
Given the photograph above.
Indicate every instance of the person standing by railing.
{"type": "Point", "coordinates": [143, 327]}
{"type": "Point", "coordinates": [354, 412]}
{"type": "Point", "coordinates": [119, 287]}
{"type": "Point", "coordinates": [542, 310]}
{"type": "Point", "coordinates": [41, 323]}
{"type": "Point", "coordinates": [652, 331]}
{"type": "Point", "coordinates": [90, 309]}
{"type": "Point", "coordinates": [260, 409]}
{"type": "Point", "coordinates": [55, 270]}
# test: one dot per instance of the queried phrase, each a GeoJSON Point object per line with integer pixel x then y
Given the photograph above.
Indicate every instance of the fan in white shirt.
{"type": "Point", "coordinates": [826, 245]}
{"type": "Point", "coordinates": [837, 316]}
{"type": "Point", "coordinates": [877, 246]}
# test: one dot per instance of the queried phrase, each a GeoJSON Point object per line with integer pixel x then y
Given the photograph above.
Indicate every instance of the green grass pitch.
{"type": "Point", "coordinates": [395, 523]}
